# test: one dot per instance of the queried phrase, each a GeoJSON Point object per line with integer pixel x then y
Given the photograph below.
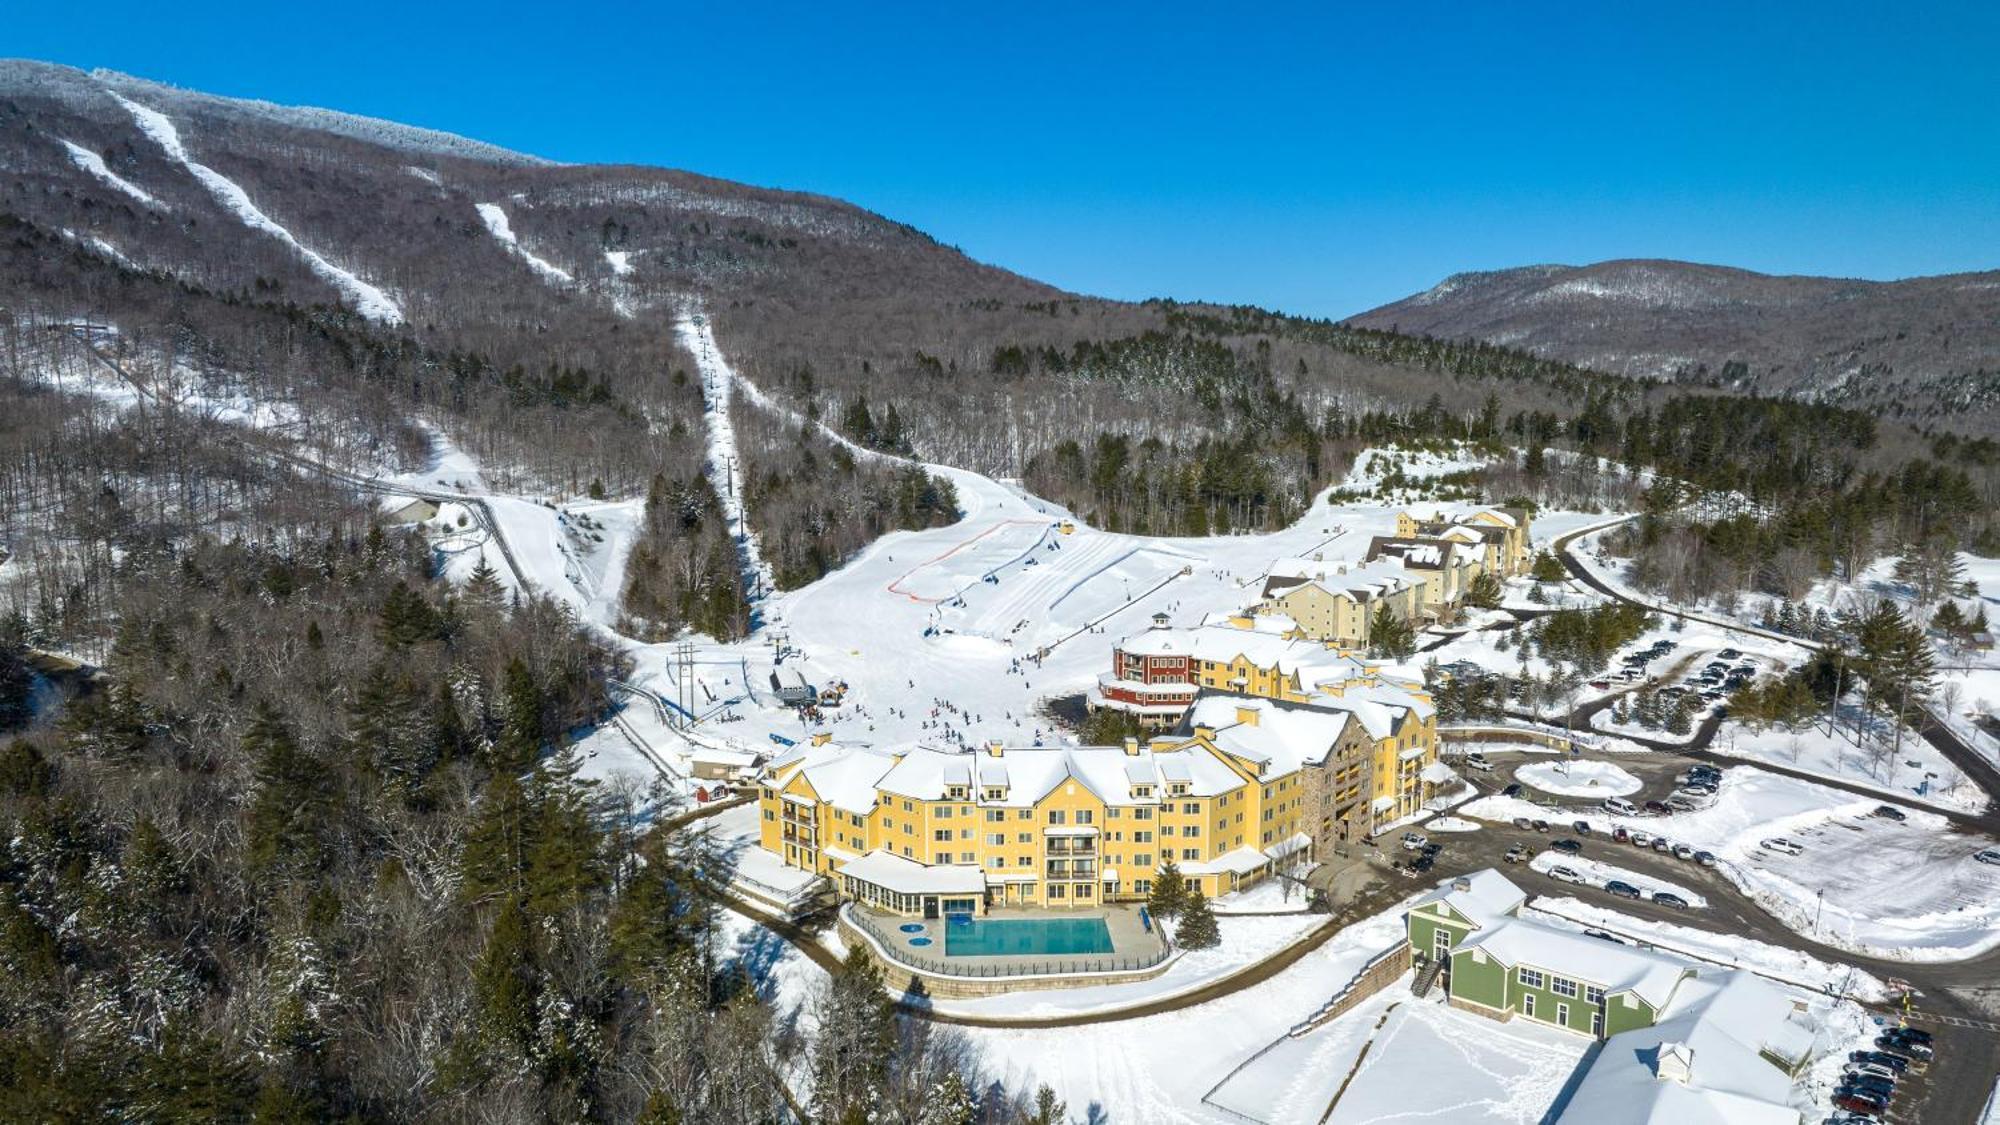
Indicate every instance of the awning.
{"type": "Point", "coordinates": [1290, 845]}
{"type": "Point", "coordinates": [1111, 874]}
{"type": "Point", "coordinates": [1382, 804]}
{"type": "Point", "coordinates": [1437, 773]}
{"type": "Point", "coordinates": [1074, 830]}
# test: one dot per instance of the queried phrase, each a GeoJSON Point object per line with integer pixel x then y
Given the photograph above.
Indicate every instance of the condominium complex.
{"type": "Point", "coordinates": [1249, 786]}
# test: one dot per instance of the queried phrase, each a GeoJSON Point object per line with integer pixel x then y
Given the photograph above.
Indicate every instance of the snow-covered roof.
{"type": "Point", "coordinates": [1353, 581]}
{"type": "Point", "coordinates": [1239, 861]}
{"type": "Point", "coordinates": [1611, 966]}
{"type": "Point", "coordinates": [1719, 1024]}
{"type": "Point", "coordinates": [905, 876]}
{"type": "Point", "coordinates": [1281, 738]}
{"type": "Point", "coordinates": [1484, 897]}
{"type": "Point", "coordinates": [844, 776]}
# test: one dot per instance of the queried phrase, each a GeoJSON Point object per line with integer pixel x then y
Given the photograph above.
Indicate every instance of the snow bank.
{"type": "Point", "coordinates": [1600, 873]}
{"type": "Point", "coordinates": [1586, 778]}
{"type": "Point", "coordinates": [370, 301]}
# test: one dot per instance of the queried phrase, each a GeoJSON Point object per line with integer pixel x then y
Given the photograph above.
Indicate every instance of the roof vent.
{"type": "Point", "coordinates": [1461, 884]}
{"type": "Point", "coordinates": [1675, 1063]}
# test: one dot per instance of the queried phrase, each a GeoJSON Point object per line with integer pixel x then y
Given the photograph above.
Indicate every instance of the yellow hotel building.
{"type": "Point", "coordinates": [1254, 786]}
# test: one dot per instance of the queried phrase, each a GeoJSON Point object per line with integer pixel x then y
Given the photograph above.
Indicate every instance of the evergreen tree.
{"type": "Point", "coordinates": [497, 847]}
{"type": "Point", "coordinates": [1049, 1109]}
{"type": "Point", "coordinates": [1485, 592]}
{"type": "Point", "coordinates": [506, 984]}
{"type": "Point", "coordinates": [482, 587]}
{"type": "Point", "coordinates": [856, 1040]}
{"type": "Point", "coordinates": [948, 1102]}
{"type": "Point", "coordinates": [1547, 568]}
{"type": "Point", "coordinates": [1680, 717]}
{"type": "Point", "coordinates": [1389, 635]}
{"type": "Point", "coordinates": [1197, 929]}
{"type": "Point", "coordinates": [521, 731]}
{"type": "Point", "coordinates": [1169, 893]}
{"type": "Point", "coordinates": [292, 806]}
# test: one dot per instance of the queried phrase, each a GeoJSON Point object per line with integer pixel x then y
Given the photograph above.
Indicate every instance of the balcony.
{"type": "Point", "coordinates": [1078, 845]}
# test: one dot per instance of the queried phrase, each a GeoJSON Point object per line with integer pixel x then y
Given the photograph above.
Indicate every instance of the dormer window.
{"type": "Point", "coordinates": [996, 793]}
{"type": "Point", "coordinates": [956, 793]}
{"type": "Point", "coordinates": [1178, 789]}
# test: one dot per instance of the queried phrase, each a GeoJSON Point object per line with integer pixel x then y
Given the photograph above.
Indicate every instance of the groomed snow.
{"type": "Point", "coordinates": [498, 226]}
{"type": "Point", "coordinates": [94, 164]}
{"type": "Point", "coordinates": [1584, 778]}
{"type": "Point", "coordinates": [370, 301]}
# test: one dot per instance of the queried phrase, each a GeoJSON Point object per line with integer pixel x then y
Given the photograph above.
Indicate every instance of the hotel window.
{"type": "Point", "coordinates": [1143, 859]}
{"type": "Point", "coordinates": [1563, 987]}
{"type": "Point", "coordinates": [1056, 890]}
{"type": "Point", "coordinates": [996, 837]}
{"type": "Point", "coordinates": [1024, 861]}
{"type": "Point", "coordinates": [1024, 837]}
{"type": "Point", "coordinates": [1083, 816]}
{"type": "Point", "coordinates": [965, 857]}
{"type": "Point", "coordinates": [1190, 808]}
{"type": "Point", "coordinates": [995, 815]}
{"type": "Point", "coordinates": [1531, 978]}
{"type": "Point", "coordinates": [965, 833]}
{"type": "Point", "coordinates": [1597, 1023]}
{"type": "Point", "coordinates": [1142, 837]}
{"type": "Point", "coordinates": [1024, 814]}
{"type": "Point", "coordinates": [1190, 830]}
{"type": "Point", "coordinates": [1057, 816]}
{"type": "Point", "coordinates": [941, 835]}
{"type": "Point", "coordinates": [996, 861]}
{"type": "Point", "coordinates": [1528, 1004]}
{"type": "Point", "coordinates": [1593, 994]}
{"type": "Point", "coordinates": [1142, 814]}
{"type": "Point", "coordinates": [908, 807]}
{"type": "Point", "coordinates": [1142, 886]}
{"type": "Point", "coordinates": [1562, 1014]}
{"type": "Point", "coordinates": [941, 858]}
{"type": "Point", "coordinates": [1190, 853]}
{"type": "Point", "coordinates": [942, 812]}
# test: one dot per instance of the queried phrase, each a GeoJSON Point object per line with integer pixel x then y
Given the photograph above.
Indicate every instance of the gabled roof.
{"type": "Point", "coordinates": [1722, 1020]}
{"type": "Point", "coordinates": [1486, 898]}
{"type": "Point", "coordinates": [1611, 966]}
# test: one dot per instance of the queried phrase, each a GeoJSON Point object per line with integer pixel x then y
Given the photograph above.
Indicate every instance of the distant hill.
{"type": "Point", "coordinates": [1926, 348]}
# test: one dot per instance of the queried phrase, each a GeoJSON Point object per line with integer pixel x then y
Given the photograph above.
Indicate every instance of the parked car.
{"type": "Point", "coordinates": [1621, 889]}
{"type": "Point", "coordinates": [1891, 812]}
{"type": "Point", "coordinates": [1782, 846]}
{"type": "Point", "coordinates": [1620, 806]}
{"type": "Point", "coordinates": [1600, 935]}
{"type": "Point", "coordinates": [1729, 654]}
{"type": "Point", "coordinates": [1914, 1050]}
{"type": "Point", "coordinates": [1871, 1070]}
{"type": "Point", "coordinates": [1512, 790]}
{"type": "Point", "coordinates": [1914, 1034]}
{"type": "Point", "coordinates": [1641, 838]}
{"type": "Point", "coordinates": [1679, 803]}
{"type": "Point", "coordinates": [1412, 841]}
{"type": "Point", "coordinates": [1669, 898]}
{"type": "Point", "coordinates": [1423, 864]}
{"type": "Point", "coordinates": [1566, 874]}
{"type": "Point", "coordinates": [1541, 826]}
{"type": "Point", "coordinates": [1568, 846]}
{"type": "Point", "coordinates": [1580, 827]}
{"type": "Point", "coordinates": [1706, 859]}
{"type": "Point", "coordinates": [1896, 1063]}
{"type": "Point", "coordinates": [1621, 835]}
{"type": "Point", "coordinates": [1478, 762]}
{"type": "Point", "coordinates": [1432, 849]}
{"type": "Point", "coordinates": [1884, 1088]}
{"type": "Point", "coordinates": [1516, 854]}
{"type": "Point", "coordinates": [1855, 1103]}
{"type": "Point", "coordinates": [1682, 851]}
{"type": "Point", "coordinates": [1523, 823]}
{"type": "Point", "coordinates": [1662, 844]}
{"type": "Point", "coordinates": [1658, 808]}
{"type": "Point", "coordinates": [1988, 855]}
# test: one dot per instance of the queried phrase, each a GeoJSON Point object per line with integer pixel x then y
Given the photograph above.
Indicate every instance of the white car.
{"type": "Point", "coordinates": [1413, 842]}
{"type": "Point", "coordinates": [1988, 855]}
{"type": "Point", "coordinates": [1782, 846]}
{"type": "Point", "coordinates": [1477, 762]}
{"type": "Point", "coordinates": [1566, 874]}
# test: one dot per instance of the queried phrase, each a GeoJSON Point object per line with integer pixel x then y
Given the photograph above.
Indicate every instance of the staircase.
{"type": "Point", "coordinates": [1427, 976]}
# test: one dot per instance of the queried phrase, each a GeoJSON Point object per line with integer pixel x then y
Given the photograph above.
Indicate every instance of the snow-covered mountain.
{"type": "Point", "coordinates": [1923, 347]}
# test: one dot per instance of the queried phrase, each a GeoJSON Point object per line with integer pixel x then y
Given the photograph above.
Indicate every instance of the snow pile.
{"type": "Point", "coordinates": [1451, 824]}
{"type": "Point", "coordinates": [620, 262]}
{"type": "Point", "coordinates": [372, 303]}
{"type": "Point", "coordinates": [94, 164]}
{"type": "Point", "coordinates": [1601, 873]}
{"type": "Point", "coordinates": [497, 225]}
{"type": "Point", "coordinates": [1586, 778]}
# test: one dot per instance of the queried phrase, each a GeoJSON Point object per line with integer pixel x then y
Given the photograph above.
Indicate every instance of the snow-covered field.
{"type": "Point", "coordinates": [1908, 891]}
{"type": "Point", "coordinates": [1600, 872]}
{"type": "Point", "coordinates": [1582, 778]}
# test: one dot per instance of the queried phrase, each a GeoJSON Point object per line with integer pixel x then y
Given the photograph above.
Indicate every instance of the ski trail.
{"type": "Point", "coordinates": [497, 224]}
{"type": "Point", "coordinates": [724, 466]}
{"type": "Point", "coordinates": [94, 164]}
{"type": "Point", "coordinates": [373, 303]}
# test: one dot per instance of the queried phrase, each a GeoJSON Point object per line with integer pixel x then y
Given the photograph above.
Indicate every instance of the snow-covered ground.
{"type": "Point", "coordinates": [1600, 872]}
{"type": "Point", "coordinates": [1916, 770]}
{"type": "Point", "coordinates": [1906, 891]}
{"type": "Point", "coordinates": [94, 164]}
{"type": "Point", "coordinates": [1270, 896]}
{"type": "Point", "coordinates": [1585, 777]}
{"type": "Point", "coordinates": [370, 301]}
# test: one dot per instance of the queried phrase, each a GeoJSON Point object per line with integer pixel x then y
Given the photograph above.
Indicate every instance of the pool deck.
{"type": "Point", "coordinates": [1129, 940]}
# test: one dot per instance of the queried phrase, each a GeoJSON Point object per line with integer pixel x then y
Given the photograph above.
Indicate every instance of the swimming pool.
{"type": "Point", "coordinates": [1005, 937]}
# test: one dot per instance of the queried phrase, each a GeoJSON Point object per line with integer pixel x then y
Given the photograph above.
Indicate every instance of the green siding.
{"type": "Point", "coordinates": [1423, 927]}
{"type": "Point", "coordinates": [1482, 983]}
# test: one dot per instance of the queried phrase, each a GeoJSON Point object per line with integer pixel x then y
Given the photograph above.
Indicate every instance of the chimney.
{"type": "Point", "coordinates": [994, 748]}
{"type": "Point", "coordinates": [1248, 716]}
{"type": "Point", "coordinates": [1205, 733]}
{"type": "Point", "coordinates": [1131, 747]}
{"type": "Point", "coordinates": [1461, 884]}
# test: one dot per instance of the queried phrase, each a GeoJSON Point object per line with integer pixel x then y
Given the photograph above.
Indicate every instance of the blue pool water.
{"type": "Point", "coordinates": [1002, 937]}
{"type": "Point", "coordinates": [920, 941]}
{"type": "Point", "coordinates": [912, 927]}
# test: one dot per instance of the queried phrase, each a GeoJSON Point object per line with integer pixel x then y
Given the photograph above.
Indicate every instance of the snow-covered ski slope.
{"type": "Point", "coordinates": [502, 230]}
{"type": "Point", "coordinates": [724, 467]}
{"type": "Point", "coordinates": [371, 301]}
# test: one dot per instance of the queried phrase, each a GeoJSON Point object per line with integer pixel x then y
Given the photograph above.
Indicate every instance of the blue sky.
{"type": "Point", "coordinates": [1319, 159]}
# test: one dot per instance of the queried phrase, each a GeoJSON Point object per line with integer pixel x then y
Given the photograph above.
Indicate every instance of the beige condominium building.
{"type": "Point", "coordinates": [1499, 535]}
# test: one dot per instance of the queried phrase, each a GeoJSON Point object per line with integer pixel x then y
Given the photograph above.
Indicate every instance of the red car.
{"type": "Point", "coordinates": [1855, 1103]}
